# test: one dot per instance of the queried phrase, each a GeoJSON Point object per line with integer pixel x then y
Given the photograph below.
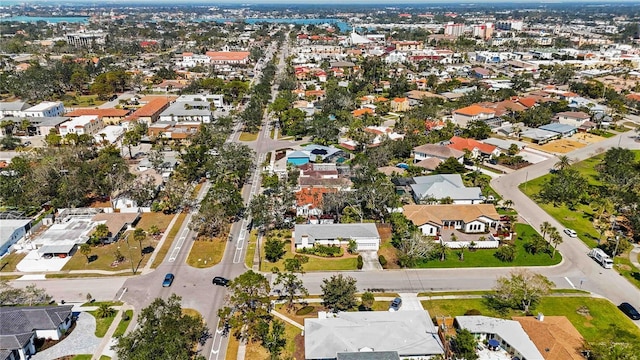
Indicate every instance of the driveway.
{"type": "Point", "coordinates": [370, 261]}
{"type": "Point", "coordinates": [81, 341]}
{"type": "Point", "coordinates": [410, 302]}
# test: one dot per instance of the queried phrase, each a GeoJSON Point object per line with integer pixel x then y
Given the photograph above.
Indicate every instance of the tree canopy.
{"type": "Point", "coordinates": [163, 332]}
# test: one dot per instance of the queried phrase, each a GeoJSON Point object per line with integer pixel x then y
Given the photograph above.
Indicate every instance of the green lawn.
{"type": "Point", "coordinates": [88, 357]}
{"type": "Point", "coordinates": [83, 101]}
{"type": "Point", "coordinates": [346, 262]}
{"type": "Point", "coordinates": [245, 136]}
{"type": "Point", "coordinates": [603, 322]}
{"type": "Point", "coordinates": [486, 258]}
{"type": "Point", "coordinates": [102, 324]}
{"type": "Point", "coordinates": [122, 326]}
{"type": "Point", "coordinates": [624, 266]}
{"type": "Point", "coordinates": [251, 249]}
{"type": "Point", "coordinates": [98, 303]}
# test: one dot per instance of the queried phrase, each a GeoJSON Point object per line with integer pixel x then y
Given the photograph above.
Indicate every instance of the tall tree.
{"type": "Point", "coordinates": [522, 289]}
{"type": "Point", "coordinates": [339, 293]}
{"type": "Point", "coordinates": [465, 344]}
{"type": "Point", "coordinates": [247, 304]}
{"type": "Point", "coordinates": [85, 249]}
{"type": "Point", "coordinates": [556, 239]}
{"type": "Point", "coordinates": [163, 332]}
{"type": "Point", "coordinates": [292, 287]}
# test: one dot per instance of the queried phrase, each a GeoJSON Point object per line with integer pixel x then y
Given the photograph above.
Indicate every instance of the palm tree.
{"type": "Point", "coordinates": [508, 204]}
{"type": "Point", "coordinates": [139, 235]}
{"type": "Point", "coordinates": [85, 249]}
{"type": "Point", "coordinates": [463, 247]}
{"type": "Point", "coordinates": [563, 162]}
{"type": "Point", "coordinates": [105, 311]}
{"type": "Point", "coordinates": [545, 228]}
{"type": "Point", "coordinates": [101, 231]}
{"type": "Point", "coordinates": [442, 250]}
{"type": "Point", "coordinates": [556, 239]}
{"type": "Point", "coordinates": [601, 206]}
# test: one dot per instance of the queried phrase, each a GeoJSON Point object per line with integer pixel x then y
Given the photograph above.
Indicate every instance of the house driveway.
{"type": "Point", "coordinates": [81, 341]}
{"type": "Point", "coordinates": [370, 260]}
{"type": "Point", "coordinates": [410, 302]}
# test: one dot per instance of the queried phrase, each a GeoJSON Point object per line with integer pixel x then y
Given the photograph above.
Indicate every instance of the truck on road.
{"type": "Point", "coordinates": [601, 258]}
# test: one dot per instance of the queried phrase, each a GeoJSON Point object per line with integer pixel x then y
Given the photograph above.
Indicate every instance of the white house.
{"type": "Point", "coordinates": [407, 334]}
{"type": "Point", "coordinates": [432, 219]}
{"type": "Point", "coordinates": [22, 325]}
{"type": "Point", "coordinates": [85, 124]}
{"type": "Point", "coordinates": [12, 230]}
{"type": "Point", "coordinates": [365, 235]}
{"type": "Point", "coordinates": [443, 186]}
{"type": "Point", "coordinates": [45, 109]}
{"type": "Point", "coordinates": [573, 118]}
{"type": "Point", "coordinates": [472, 113]}
{"type": "Point", "coordinates": [441, 152]}
{"type": "Point", "coordinates": [509, 334]}
{"type": "Point", "coordinates": [13, 108]}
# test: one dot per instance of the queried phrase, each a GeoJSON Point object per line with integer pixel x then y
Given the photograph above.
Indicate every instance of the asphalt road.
{"type": "Point", "coordinates": [194, 285]}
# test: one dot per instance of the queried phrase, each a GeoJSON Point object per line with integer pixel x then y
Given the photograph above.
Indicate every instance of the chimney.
{"type": "Point", "coordinates": [540, 317]}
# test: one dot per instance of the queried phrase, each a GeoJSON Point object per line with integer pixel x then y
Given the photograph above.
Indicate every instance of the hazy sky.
{"type": "Point", "coordinates": [389, 3]}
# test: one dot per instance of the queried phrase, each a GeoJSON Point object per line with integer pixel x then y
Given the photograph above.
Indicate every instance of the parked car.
{"type": "Point", "coordinates": [629, 310]}
{"type": "Point", "coordinates": [113, 97]}
{"type": "Point", "coordinates": [219, 280]}
{"type": "Point", "coordinates": [572, 233]}
{"type": "Point", "coordinates": [168, 280]}
{"type": "Point", "coordinates": [505, 218]}
{"type": "Point", "coordinates": [395, 304]}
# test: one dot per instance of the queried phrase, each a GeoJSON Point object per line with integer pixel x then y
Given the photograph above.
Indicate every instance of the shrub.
{"type": "Point", "coordinates": [472, 312]}
{"type": "Point", "coordinates": [323, 250]}
{"type": "Point", "coordinates": [382, 260]}
{"type": "Point", "coordinates": [305, 310]}
{"type": "Point", "coordinates": [274, 250]}
{"type": "Point", "coordinates": [360, 262]}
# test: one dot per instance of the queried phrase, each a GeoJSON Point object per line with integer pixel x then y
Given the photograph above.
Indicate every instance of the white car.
{"type": "Point", "coordinates": [572, 233]}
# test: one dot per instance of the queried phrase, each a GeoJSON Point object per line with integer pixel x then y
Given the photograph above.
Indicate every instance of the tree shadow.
{"type": "Point", "coordinates": [92, 258]}
{"type": "Point", "coordinates": [148, 250]}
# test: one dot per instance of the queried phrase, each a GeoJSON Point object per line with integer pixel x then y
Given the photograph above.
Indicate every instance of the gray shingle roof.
{"type": "Point", "coordinates": [18, 323]}
{"type": "Point", "coordinates": [443, 186]}
{"type": "Point", "coordinates": [410, 333]}
{"type": "Point", "coordinates": [334, 231]}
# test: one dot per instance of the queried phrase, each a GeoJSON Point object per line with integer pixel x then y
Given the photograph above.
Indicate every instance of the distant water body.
{"type": "Point", "coordinates": [52, 20]}
{"type": "Point", "coordinates": [340, 24]}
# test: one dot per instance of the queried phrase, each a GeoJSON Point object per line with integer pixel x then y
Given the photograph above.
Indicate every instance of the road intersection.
{"type": "Point", "coordinates": [577, 270]}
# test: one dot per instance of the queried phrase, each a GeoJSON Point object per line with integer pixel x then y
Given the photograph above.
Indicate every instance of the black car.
{"type": "Point", "coordinates": [219, 280]}
{"type": "Point", "coordinates": [629, 310]}
{"type": "Point", "coordinates": [113, 97]}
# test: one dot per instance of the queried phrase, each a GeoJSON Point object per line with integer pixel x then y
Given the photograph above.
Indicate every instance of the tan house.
{"type": "Point", "coordinates": [108, 116]}
{"type": "Point", "coordinates": [471, 218]}
{"type": "Point", "coordinates": [400, 104]}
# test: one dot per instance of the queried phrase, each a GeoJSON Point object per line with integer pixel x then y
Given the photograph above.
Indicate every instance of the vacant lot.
{"type": "Point", "coordinates": [561, 146]}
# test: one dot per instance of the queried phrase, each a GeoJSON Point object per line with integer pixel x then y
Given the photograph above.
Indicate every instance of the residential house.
{"type": "Point", "coordinates": [117, 223]}
{"type": "Point", "coordinates": [433, 188]}
{"type": "Point", "coordinates": [538, 136]}
{"type": "Point", "coordinates": [108, 116]}
{"type": "Point", "coordinates": [554, 336]}
{"type": "Point", "coordinates": [573, 118]}
{"type": "Point", "coordinates": [475, 147]}
{"type": "Point", "coordinates": [400, 104]}
{"type": "Point", "coordinates": [45, 109]}
{"type": "Point", "coordinates": [322, 174]}
{"type": "Point", "coordinates": [440, 152]}
{"type": "Point", "coordinates": [22, 325]}
{"type": "Point", "coordinates": [324, 153]}
{"type": "Point", "coordinates": [13, 108]}
{"type": "Point", "coordinates": [472, 113]}
{"type": "Point", "coordinates": [81, 125]}
{"type": "Point", "coordinates": [415, 97]}
{"type": "Point", "coordinates": [12, 230]}
{"type": "Point", "coordinates": [432, 219]}
{"type": "Point", "coordinates": [563, 129]}
{"type": "Point", "coordinates": [364, 234]}
{"type": "Point", "coordinates": [509, 334]}
{"type": "Point", "coordinates": [309, 202]}
{"type": "Point", "coordinates": [38, 125]}
{"type": "Point", "coordinates": [410, 334]}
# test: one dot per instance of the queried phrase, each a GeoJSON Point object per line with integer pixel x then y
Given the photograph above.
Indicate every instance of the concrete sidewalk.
{"type": "Point", "coordinates": [104, 348]}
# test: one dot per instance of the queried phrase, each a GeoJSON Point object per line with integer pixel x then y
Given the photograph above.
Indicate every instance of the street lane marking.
{"type": "Point", "coordinates": [569, 281]}
{"type": "Point", "coordinates": [213, 342]}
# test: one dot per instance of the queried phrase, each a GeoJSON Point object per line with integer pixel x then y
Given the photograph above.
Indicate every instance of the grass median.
{"type": "Point", "coordinates": [162, 252]}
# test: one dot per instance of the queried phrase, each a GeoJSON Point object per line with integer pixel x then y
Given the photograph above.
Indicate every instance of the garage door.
{"type": "Point", "coordinates": [368, 245]}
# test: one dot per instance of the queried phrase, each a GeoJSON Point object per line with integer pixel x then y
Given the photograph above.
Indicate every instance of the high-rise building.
{"type": "Point", "coordinates": [452, 29]}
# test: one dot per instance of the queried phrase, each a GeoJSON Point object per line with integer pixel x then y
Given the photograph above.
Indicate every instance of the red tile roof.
{"type": "Point", "coordinates": [474, 110]}
{"type": "Point", "coordinates": [153, 107]}
{"type": "Point", "coordinates": [461, 144]}
{"type": "Point", "coordinates": [312, 196]}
